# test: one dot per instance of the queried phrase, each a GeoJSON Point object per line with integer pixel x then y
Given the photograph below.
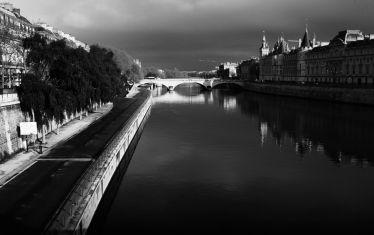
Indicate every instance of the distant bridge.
{"type": "Point", "coordinates": [172, 83]}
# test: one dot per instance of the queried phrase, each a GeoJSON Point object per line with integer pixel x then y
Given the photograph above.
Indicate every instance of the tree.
{"type": "Point", "coordinates": [175, 73]}
{"type": "Point", "coordinates": [153, 72]}
{"type": "Point", "coordinates": [64, 80]}
{"type": "Point", "coordinates": [39, 57]}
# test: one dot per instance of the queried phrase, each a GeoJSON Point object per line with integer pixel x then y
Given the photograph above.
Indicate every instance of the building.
{"type": "Point", "coordinates": [271, 62]}
{"type": "Point", "coordinates": [11, 17]}
{"type": "Point", "coordinates": [13, 28]}
{"type": "Point", "coordinates": [53, 34]}
{"type": "Point", "coordinates": [248, 69]}
{"type": "Point", "coordinates": [227, 70]}
{"type": "Point", "coordinates": [347, 59]}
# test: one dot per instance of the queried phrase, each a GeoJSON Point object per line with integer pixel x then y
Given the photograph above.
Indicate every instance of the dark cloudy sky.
{"type": "Point", "coordinates": [197, 34]}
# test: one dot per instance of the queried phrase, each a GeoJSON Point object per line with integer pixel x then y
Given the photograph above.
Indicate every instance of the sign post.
{"type": "Point", "coordinates": [28, 129]}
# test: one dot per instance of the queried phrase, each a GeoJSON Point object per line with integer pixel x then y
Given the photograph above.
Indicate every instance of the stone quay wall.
{"type": "Point", "coordinates": [10, 117]}
{"type": "Point", "coordinates": [76, 213]}
{"type": "Point", "coordinates": [353, 95]}
{"type": "Point", "coordinates": [10, 142]}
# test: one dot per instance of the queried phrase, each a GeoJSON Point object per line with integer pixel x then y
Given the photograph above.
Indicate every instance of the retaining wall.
{"type": "Point", "coordinates": [335, 94]}
{"type": "Point", "coordinates": [10, 117]}
{"type": "Point", "coordinates": [76, 213]}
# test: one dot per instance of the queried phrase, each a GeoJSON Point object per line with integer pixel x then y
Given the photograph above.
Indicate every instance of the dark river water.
{"type": "Point", "coordinates": [236, 162]}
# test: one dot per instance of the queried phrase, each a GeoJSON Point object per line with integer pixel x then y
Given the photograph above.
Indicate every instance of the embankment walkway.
{"type": "Point", "coordinates": [22, 160]}
{"type": "Point", "coordinates": [61, 190]}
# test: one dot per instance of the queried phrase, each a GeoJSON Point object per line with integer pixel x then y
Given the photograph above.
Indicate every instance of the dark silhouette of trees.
{"type": "Point", "coordinates": [153, 72]}
{"type": "Point", "coordinates": [131, 72]}
{"type": "Point", "coordinates": [175, 73]}
{"type": "Point", "coordinates": [64, 81]}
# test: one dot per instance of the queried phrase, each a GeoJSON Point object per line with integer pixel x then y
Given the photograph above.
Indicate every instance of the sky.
{"type": "Point", "coordinates": [197, 34]}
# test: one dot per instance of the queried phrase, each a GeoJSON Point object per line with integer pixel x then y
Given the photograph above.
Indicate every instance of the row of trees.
{"type": "Point", "coordinates": [167, 73]}
{"type": "Point", "coordinates": [64, 81]}
{"type": "Point", "coordinates": [126, 64]}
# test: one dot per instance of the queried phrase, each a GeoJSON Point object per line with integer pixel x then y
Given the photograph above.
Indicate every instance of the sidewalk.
{"type": "Point", "coordinates": [22, 160]}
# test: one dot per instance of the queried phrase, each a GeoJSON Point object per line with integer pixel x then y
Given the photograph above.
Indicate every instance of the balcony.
{"type": "Point", "coordinates": [8, 97]}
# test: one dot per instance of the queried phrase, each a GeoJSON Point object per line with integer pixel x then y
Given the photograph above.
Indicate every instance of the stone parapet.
{"type": "Point", "coordinates": [77, 211]}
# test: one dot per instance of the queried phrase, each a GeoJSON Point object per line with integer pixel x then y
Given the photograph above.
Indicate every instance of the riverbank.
{"type": "Point", "coordinates": [350, 95]}
{"type": "Point", "coordinates": [20, 161]}
{"type": "Point", "coordinates": [70, 179]}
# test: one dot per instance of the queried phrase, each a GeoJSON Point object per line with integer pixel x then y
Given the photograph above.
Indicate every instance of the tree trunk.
{"type": "Point", "coordinates": [24, 62]}
{"type": "Point", "coordinates": [2, 77]}
{"type": "Point", "coordinates": [43, 134]}
{"type": "Point", "coordinates": [33, 115]}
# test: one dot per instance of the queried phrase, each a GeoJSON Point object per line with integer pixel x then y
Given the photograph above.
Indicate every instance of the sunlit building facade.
{"type": "Point", "coordinates": [14, 27]}
{"type": "Point", "coordinates": [347, 59]}
{"type": "Point", "coordinates": [227, 70]}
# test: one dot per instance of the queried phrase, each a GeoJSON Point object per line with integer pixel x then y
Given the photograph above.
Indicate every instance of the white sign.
{"type": "Point", "coordinates": [28, 128]}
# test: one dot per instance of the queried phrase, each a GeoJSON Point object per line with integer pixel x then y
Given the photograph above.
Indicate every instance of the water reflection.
{"type": "Point", "coordinates": [342, 132]}
{"type": "Point", "coordinates": [204, 166]}
{"type": "Point", "coordinates": [182, 95]}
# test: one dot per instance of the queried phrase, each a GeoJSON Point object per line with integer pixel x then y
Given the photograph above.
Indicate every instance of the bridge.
{"type": "Point", "coordinates": [172, 83]}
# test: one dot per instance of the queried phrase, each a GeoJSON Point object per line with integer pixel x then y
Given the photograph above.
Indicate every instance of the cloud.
{"type": "Point", "coordinates": [162, 31]}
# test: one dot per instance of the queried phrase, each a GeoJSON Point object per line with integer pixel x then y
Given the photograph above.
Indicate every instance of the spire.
{"type": "Point", "coordinates": [264, 43]}
{"type": "Point", "coordinates": [305, 43]}
{"type": "Point", "coordinates": [264, 49]}
{"type": "Point", "coordinates": [263, 37]}
{"type": "Point", "coordinates": [314, 40]}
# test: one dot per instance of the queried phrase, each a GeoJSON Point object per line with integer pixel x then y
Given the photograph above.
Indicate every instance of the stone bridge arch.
{"type": "Point", "coordinates": [174, 82]}
{"type": "Point", "coordinates": [237, 83]}
{"type": "Point", "coordinates": [206, 83]}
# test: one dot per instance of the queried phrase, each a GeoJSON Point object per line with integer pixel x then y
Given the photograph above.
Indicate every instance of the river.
{"type": "Point", "coordinates": [232, 161]}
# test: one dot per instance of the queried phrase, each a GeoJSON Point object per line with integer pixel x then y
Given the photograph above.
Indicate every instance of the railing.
{"type": "Point", "coordinates": [8, 97]}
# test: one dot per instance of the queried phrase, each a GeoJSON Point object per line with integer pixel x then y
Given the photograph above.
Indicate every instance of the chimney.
{"type": "Point", "coordinates": [17, 11]}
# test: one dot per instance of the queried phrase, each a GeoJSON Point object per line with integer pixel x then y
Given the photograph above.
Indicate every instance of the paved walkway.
{"type": "Point", "coordinates": [22, 160]}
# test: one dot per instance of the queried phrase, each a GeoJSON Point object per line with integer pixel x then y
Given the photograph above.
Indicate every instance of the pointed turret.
{"type": "Point", "coordinates": [305, 43]}
{"type": "Point", "coordinates": [314, 40]}
{"type": "Point", "coordinates": [264, 49]}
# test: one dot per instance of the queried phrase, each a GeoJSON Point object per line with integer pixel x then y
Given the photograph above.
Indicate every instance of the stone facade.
{"type": "Point", "coordinates": [227, 70]}
{"type": "Point", "coordinates": [10, 117]}
{"type": "Point", "coordinates": [347, 59]}
{"type": "Point", "coordinates": [11, 17]}
{"type": "Point", "coordinates": [17, 27]}
{"type": "Point", "coordinates": [248, 69]}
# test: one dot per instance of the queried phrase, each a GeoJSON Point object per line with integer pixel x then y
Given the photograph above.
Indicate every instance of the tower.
{"type": "Point", "coordinates": [264, 49]}
{"type": "Point", "coordinates": [305, 43]}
